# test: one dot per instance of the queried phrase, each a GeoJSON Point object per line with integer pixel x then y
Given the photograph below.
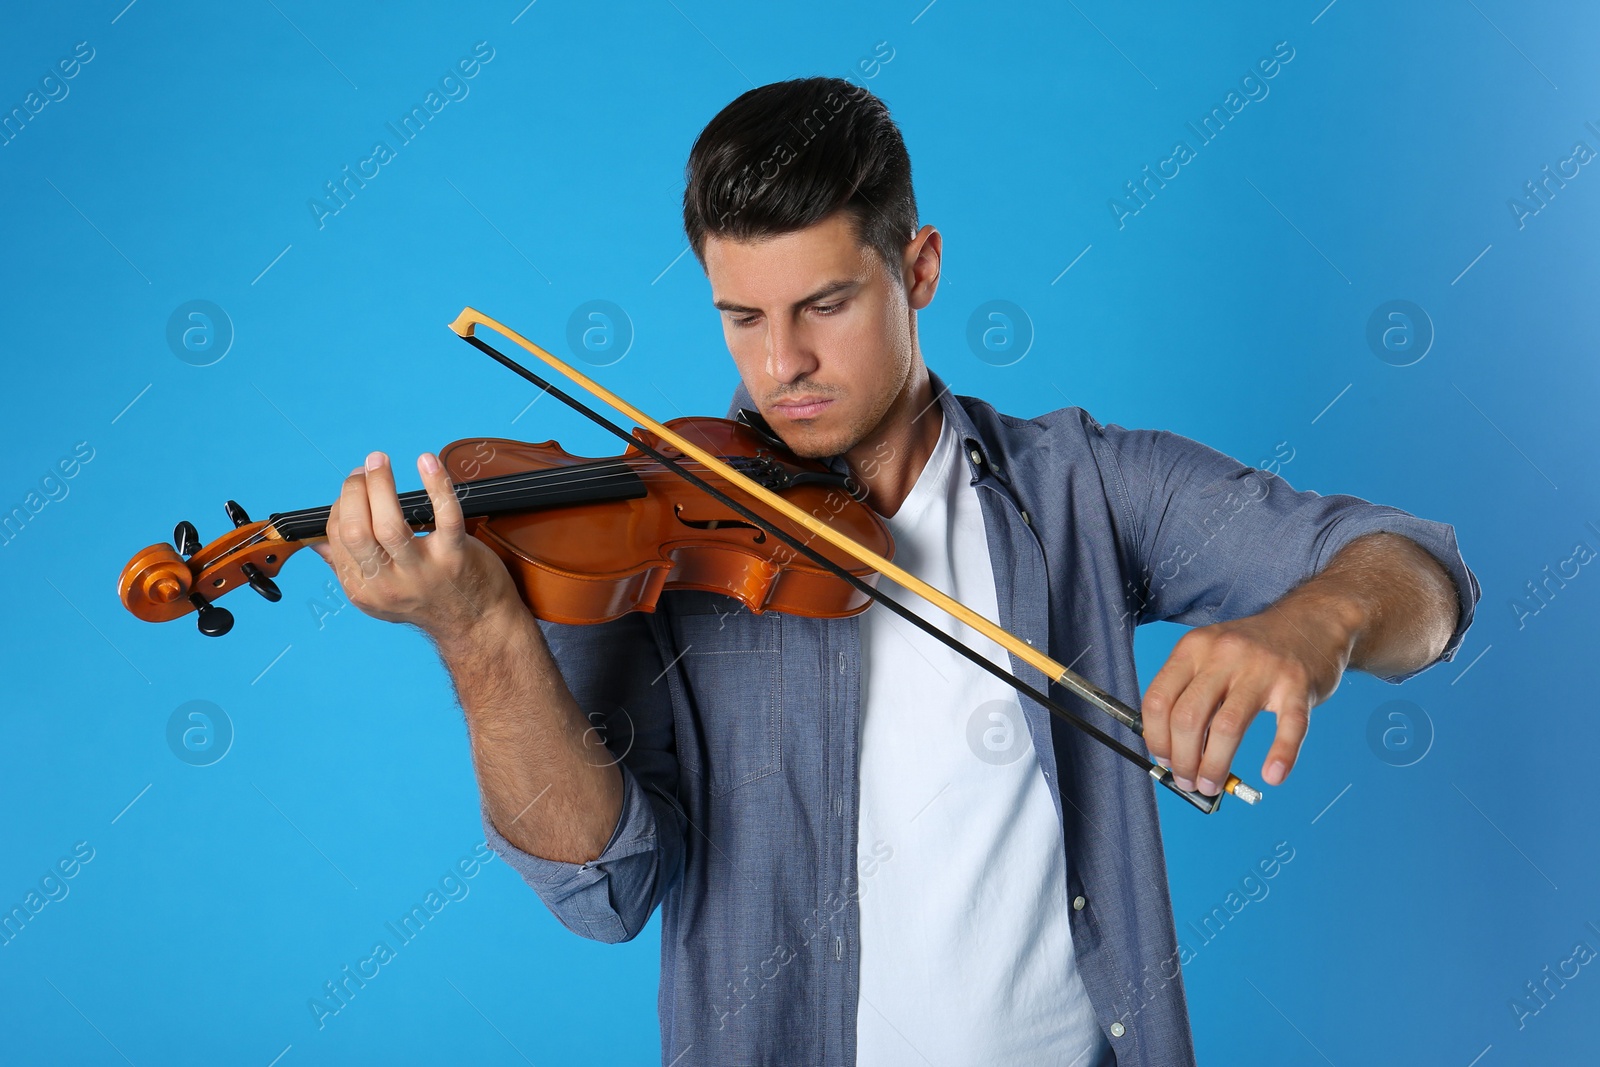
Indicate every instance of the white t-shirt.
{"type": "Point", "coordinates": [966, 952]}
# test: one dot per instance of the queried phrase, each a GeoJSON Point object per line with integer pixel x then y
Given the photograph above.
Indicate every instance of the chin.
{"type": "Point", "coordinates": [814, 452]}
{"type": "Point", "coordinates": [812, 444]}
{"type": "Point", "coordinates": [805, 446]}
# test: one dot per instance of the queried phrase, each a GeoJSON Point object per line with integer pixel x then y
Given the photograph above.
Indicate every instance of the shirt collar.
{"type": "Point", "coordinates": [976, 452]}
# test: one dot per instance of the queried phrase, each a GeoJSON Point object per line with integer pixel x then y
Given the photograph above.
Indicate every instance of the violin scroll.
{"type": "Point", "coordinates": [168, 581]}
{"type": "Point", "coordinates": [157, 576]}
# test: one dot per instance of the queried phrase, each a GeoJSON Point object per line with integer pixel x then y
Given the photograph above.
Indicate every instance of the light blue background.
{"type": "Point", "coordinates": [1232, 308]}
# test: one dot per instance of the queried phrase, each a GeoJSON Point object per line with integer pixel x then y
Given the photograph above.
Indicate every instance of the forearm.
{"type": "Point", "coordinates": [550, 784]}
{"type": "Point", "coordinates": [1393, 603]}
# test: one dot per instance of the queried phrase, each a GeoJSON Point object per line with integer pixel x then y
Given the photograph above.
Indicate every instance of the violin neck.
{"type": "Point", "coordinates": [583, 483]}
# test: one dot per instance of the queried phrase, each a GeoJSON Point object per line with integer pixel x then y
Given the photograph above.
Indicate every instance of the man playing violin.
{"type": "Point", "coordinates": [864, 848]}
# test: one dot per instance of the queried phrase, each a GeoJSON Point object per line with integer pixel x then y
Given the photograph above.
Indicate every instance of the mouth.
{"type": "Point", "coordinates": [802, 409]}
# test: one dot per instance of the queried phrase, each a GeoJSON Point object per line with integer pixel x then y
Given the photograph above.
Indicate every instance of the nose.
{"type": "Point", "coordinates": [788, 354]}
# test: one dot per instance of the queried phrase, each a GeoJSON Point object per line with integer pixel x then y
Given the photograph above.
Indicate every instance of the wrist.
{"type": "Point", "coordinates": [489, 628]}
{"type": "Point", "coordinates": [1337, 618]}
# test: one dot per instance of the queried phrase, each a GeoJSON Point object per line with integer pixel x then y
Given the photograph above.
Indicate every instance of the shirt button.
{"type": "Point", "coordinates": [1078, 903]}
{"type": "Point", "coordinates": [1117, 1030]}
{"type": "Point", "coordinates": [1026, 520]}
{"type": "Point", "coordinates": [977, 457]}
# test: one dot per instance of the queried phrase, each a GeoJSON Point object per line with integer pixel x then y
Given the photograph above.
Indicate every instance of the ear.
{"type": "Point", "coordinates": [920, 270]}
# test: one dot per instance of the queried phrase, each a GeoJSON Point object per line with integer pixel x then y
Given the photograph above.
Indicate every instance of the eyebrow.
{"type": "Point", "coordinates": [831, 289]}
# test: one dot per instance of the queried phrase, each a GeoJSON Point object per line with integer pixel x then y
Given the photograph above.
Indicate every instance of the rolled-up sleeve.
{"type": "Point", "coordinates": [614, 672]}
{"type": "Point", "coordinates": [1207, 538]}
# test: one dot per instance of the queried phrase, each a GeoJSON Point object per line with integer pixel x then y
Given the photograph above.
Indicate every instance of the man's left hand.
{"type": "Point", "coordinates": [1286, 660]}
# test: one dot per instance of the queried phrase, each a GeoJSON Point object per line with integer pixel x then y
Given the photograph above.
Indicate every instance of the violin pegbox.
{"type": "Point", "coordinates": [167, 581]}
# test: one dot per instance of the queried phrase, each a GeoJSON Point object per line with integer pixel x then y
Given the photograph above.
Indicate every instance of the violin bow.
{"type": "Point", "coordinates": [465, 326]}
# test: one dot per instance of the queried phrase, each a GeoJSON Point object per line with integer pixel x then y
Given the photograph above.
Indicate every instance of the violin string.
{"type": "Point", "coordinates": [498, 489]}
{"type": "Point", "coordinates": [887, 601]}
{"type": "Point", "coordinates": [482, 490]}
{"type": "Point", "coordinates": [289, 518]}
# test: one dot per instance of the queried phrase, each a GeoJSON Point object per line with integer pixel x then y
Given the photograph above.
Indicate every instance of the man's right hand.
{"type": "Point", "coordinates": [445, 583]}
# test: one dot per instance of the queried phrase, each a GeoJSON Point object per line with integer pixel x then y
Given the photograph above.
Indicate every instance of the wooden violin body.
{"type": "Point", "coordinates": [592, 562]}
{"type": "Point", "coordinates": [585, 539]}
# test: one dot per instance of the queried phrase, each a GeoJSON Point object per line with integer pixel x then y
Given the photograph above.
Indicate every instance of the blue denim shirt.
{"type": "Point", "coordinates": [736, 734]}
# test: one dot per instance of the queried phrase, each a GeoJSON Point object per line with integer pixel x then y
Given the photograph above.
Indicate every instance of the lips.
{"type": "Point", "coordinates": [802, 410]}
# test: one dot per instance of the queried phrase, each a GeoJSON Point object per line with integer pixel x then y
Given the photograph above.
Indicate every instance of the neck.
{"type": "Point", "coordinates": [889, 459]}
{"type": "Point", "coordinates": [580, 483]}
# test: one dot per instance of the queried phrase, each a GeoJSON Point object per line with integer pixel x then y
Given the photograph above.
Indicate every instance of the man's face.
{"type": "Point", "coordinates": [819, 328]}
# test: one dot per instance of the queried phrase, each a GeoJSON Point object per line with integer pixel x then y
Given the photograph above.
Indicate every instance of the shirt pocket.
{"type": "Point", "coordinates": [732, 664]}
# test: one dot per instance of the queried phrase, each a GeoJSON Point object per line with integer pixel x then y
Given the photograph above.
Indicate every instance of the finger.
{"type": "Point", "coordinates": [351, 573]}
{"type": "Point", "coordinates": [1294, 720]}
{"type": "Point", "coordinates": [1191, 714]}
{"type": "Point", "coordinates": [1156, 708]}
{"type": "Point", "coordinates": [351, 536]}
{"type": "Point", "coordinates": [449, 526]}
{"type": "Point", "coordinates": [1228, 726]}
{"type": "Point", "coordinates": [389, 525]}
{"type": "Point", "coordinates": [323, 549]}
{"type": "Point", "coordinates": [333, 550]}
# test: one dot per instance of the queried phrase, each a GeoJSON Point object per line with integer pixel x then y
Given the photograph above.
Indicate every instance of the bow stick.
{"type": "Point", "coordinates": [465, 326]}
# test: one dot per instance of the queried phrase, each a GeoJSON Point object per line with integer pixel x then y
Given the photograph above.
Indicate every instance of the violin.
{"type": "Point", "coordinates": [586, 540]}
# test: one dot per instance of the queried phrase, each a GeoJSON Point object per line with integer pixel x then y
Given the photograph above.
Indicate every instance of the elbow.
{"type": "Point", "coordinates": [614, 902]}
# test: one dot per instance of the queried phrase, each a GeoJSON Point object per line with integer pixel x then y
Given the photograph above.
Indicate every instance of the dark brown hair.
{"type": "Point", "coordinates": [785, 156]}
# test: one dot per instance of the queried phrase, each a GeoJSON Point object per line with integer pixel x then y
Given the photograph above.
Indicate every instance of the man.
{"type": "Point", "coordinates": [864, 848]}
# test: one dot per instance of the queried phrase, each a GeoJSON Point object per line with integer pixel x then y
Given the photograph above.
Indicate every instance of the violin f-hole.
{"type": "Point", "coordinates": [718, 524]}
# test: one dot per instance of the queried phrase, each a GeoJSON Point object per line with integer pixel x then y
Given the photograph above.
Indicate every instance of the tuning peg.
{"type": "Point", "coordinates": [236, 515]}
{"type": "Point", "coordinates": [187, 538]}
{"type": "Point", "coordinates": [261, 583]}
{"type": "Point", "coordinates": [213, 621]}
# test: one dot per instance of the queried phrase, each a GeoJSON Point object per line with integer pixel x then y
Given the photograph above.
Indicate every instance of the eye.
{"type": "Point", "coordinates": [827, 309]}
{"type": "Point", "coordinates": [748, 320]}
